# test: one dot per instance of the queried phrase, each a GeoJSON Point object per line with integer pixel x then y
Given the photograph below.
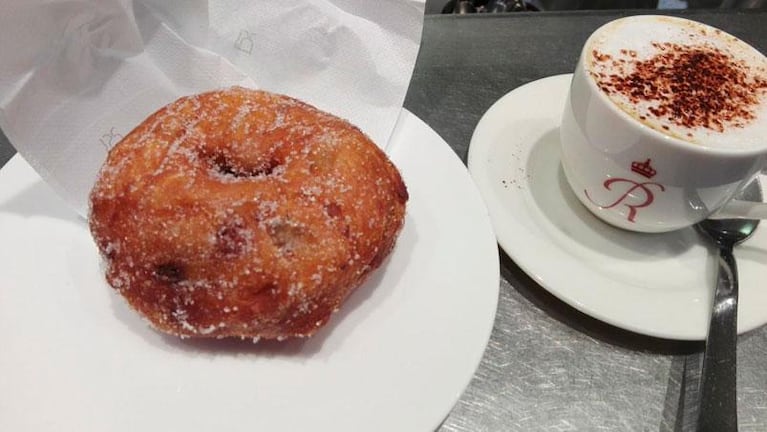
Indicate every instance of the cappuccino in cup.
{"type": "Point", "coordinates": [683, 79]}
{"type": "Point", "coordinates": [666, 120]}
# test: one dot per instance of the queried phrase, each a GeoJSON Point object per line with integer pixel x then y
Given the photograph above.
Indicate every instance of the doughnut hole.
{"type": "Point", "coordinates": [222, 164]}
{"type": "Point", "coordinates": [264, 169]}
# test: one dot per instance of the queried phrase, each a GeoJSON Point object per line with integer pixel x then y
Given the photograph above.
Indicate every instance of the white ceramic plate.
{"type": "Point", "coordinates": [396, 357]}
{"type": "Point", "coordinates": [654, 284]}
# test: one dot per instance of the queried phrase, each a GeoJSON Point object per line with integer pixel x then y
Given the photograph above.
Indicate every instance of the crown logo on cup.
{"type": "Point", "coordinates": [643, 168]}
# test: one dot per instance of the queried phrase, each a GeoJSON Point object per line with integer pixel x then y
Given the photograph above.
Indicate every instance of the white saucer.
{"type": "Point", "coordinates": [396, 357]}
{"type": "Point", "coordinates": [654, 284]}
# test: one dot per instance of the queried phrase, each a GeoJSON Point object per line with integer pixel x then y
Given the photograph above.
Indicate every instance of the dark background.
{"type": "Point", "coordinates": [439, 6]}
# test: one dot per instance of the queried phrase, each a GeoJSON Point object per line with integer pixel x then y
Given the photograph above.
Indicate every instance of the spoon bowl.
{"type": "Point", "coordinates": [728, 232]}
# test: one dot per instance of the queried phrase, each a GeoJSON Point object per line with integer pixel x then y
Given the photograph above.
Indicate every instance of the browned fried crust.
{"type": "Point", "coordinates": [244, 213]}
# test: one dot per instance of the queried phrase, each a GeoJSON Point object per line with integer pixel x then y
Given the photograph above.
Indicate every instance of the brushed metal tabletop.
{"type": "Point", "coordinates": [549, 367]}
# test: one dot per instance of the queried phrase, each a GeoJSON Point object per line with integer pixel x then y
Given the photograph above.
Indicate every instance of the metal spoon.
{"type": "Point", "coordinates": [718, 399]}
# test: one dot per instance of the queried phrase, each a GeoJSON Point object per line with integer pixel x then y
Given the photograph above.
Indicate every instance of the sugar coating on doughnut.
{"type": "Point", "coordinates": [242, 213]}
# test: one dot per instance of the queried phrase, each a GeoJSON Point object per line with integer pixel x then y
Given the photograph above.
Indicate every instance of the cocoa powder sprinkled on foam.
{"type": "Point", "coordinates": [692, 86]}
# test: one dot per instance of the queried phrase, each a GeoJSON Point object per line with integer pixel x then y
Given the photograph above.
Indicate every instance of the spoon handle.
{"type": "Point", "coordinates": [718, 404]}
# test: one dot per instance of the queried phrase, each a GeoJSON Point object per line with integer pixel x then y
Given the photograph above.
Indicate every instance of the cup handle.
{"type": "Point", "coordinates": [737, 209]}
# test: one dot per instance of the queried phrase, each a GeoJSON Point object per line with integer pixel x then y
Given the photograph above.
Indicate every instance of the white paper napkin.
{"type": "Point", "coordinates": [75, 76]}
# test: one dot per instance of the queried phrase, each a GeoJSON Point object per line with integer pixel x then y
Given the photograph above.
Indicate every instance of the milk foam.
{"type": "Point", "coordinates": [626, 41]}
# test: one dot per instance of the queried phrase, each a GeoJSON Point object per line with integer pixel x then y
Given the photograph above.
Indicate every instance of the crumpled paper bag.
{"type": "Point", "coordinates": [77, 75]}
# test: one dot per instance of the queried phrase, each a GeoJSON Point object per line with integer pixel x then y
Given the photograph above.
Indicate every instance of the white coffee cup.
{"type": "Point", "coordinates": [639, 150]}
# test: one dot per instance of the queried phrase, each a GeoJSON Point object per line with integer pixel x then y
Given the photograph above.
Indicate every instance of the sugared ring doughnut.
{"type": "Point", "coordinates": [243, 213]}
